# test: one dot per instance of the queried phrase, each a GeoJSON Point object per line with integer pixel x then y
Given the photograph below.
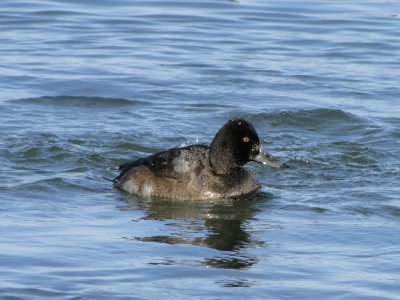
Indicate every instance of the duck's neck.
{"type": "Point", "coordinates": [222, 157]}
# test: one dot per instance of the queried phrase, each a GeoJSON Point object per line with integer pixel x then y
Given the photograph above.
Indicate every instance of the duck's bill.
{"type": "Point", "coordinates": [266, 158]}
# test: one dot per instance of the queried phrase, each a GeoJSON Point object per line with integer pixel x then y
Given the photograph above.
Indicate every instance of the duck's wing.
{"type": "Point", "coordinates": [176, 163]}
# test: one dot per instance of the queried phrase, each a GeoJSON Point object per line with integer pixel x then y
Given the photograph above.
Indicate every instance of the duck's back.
{"type": "Point", "coordinates": [169, 174]}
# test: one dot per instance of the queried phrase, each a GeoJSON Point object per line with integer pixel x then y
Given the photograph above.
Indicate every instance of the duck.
{"type": "Point", "coordinates": [199, 172]}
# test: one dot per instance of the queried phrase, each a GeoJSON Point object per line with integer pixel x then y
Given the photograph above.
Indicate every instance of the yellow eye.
{"type": "Point", "coordinates": [246, 139]}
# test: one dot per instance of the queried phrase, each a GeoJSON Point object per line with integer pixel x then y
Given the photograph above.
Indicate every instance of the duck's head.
{"type": "Point", "coordinates": [236, 144]}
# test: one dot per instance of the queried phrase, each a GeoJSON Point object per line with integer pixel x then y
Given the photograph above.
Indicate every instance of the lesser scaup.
{"type": "Point", "coordinates": [198, 171]}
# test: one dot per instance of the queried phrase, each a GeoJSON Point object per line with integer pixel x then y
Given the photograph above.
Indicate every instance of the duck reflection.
{"type": "Point", "coordinates": [215, 224]}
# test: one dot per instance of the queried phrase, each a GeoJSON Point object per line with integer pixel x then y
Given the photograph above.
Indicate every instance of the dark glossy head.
{"type": "Point", "coordinates": [236, 144]}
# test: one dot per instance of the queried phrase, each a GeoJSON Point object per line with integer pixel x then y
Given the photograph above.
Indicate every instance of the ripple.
{"type": "Point", "coordinates": [87, 85]}
{"type": "Point", "coordinates": [79, 102]}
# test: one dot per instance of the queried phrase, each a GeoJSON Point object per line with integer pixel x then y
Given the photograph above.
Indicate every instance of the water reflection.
{"type": "Point", "coordinates": [220, 225]}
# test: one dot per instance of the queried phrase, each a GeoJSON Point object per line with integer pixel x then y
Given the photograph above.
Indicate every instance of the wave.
{"type": "Point", "coordinates": [313, 119]}
{"type": "Point", "coordinates": [79, 101]}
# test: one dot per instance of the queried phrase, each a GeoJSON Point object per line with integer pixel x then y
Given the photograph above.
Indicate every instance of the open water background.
{"type": "Point", "coordinates": [87, 85]}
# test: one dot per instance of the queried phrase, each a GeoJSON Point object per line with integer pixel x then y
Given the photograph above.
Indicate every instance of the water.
{"type": "Point", "coordinates": [87, 85]}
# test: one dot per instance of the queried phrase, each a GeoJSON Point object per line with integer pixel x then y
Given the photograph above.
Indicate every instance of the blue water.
{"type": "Point", "coordinates": [87, 85]}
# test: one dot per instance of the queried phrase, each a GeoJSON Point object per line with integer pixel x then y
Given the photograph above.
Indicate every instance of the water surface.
{"type": "Point", "coordinates": [86, 86]}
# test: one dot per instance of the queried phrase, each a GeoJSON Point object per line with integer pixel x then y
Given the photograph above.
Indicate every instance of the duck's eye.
{"type": "Point", "coordinates": [246, 139]}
